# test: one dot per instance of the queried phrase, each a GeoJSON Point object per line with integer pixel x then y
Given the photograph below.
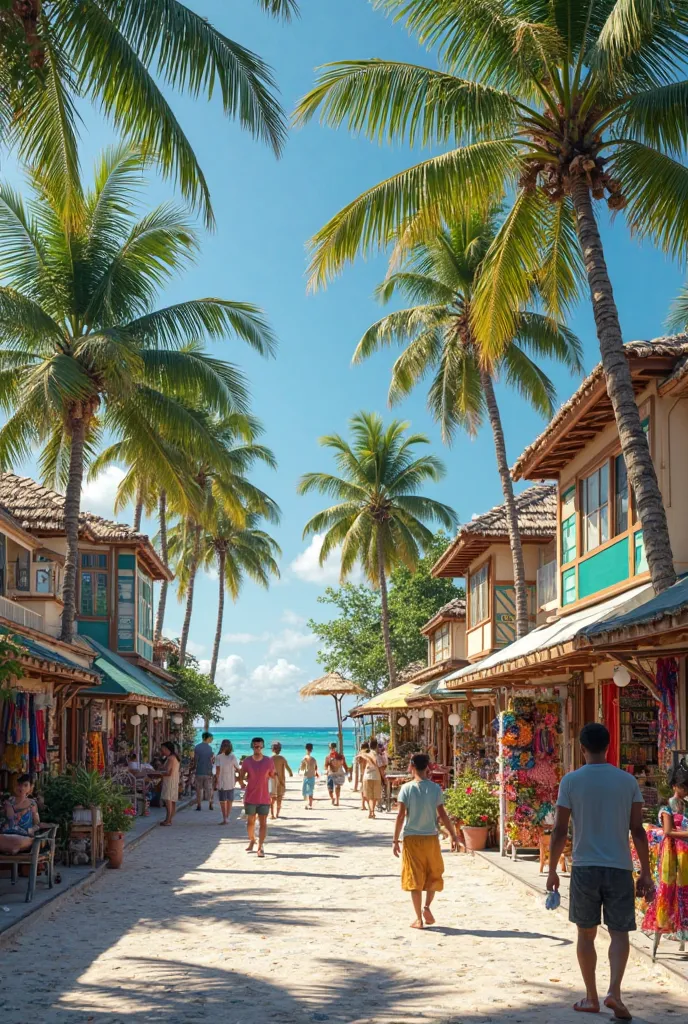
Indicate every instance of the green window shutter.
{"type": "Point", "coordinates": [568, 586]}
{"type": "Point", "coordinates": [568, 539]}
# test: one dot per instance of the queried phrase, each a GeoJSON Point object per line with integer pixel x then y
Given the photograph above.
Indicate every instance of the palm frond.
{"type": "Point", "coordinates": [656, 187]}
{"type": "Point", "coordinates": [217, 318]}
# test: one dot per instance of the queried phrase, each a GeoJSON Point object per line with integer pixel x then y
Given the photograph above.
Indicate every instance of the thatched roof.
{"type": "Point", "coordinates": [537, 521]}
{"type": "Point", "coordinates": [330, 685]}
{"type": "Point", "coordinates": [454, 610]}
{"type": "Point", "coordinates": [40, 510]}
{"type": "Point", "coordinates": [589, 406]}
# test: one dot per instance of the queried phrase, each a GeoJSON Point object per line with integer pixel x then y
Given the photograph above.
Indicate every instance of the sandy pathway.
{"type": "Point", "coordinates": [194, 929]}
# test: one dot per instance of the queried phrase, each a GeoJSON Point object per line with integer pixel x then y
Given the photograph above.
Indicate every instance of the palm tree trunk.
{"type": "Point", "coordinates": [391, 668]}
{"type": "Point", "coordinates": [522, 623]}
{"type": "Point", "coordinates": [72, 507]}
{"type": "Point", "coordinates": [162, 600]}
{"type": "Point", "coordinates": [138, 510]}
{"type": "Point", "coordinates": [221, 558]}
{"type": "Point", "coordinates": [193, 569]}
{"type": "Point", "coordinates": [636, 451]}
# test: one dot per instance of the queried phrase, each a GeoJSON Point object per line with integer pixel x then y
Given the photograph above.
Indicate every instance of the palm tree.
{"type": "Point", "coordinates": [113, 52]}
{"type": "Point", "coordinates": [83, 351]}
{"type": "Point", "coordinates": [562, 106]}
{"type": "Point", "coordinates": [380, 519]}
{"type": "Point", "coordinates": [224, 488]}
{"type": "Point", "coordinates": [439, 277]}
{"type": "Point", "coordinates": [237, 552]}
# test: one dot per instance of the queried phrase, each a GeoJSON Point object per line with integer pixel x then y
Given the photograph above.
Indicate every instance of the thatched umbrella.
{"type": "Point", "coordinates": [333, 685]}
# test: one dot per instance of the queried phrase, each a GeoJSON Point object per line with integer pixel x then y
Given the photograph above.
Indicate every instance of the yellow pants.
{"type": "Point", "coordinates": [422, 866]}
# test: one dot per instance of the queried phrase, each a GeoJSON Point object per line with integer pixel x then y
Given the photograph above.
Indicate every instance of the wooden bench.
{"type": "Point", "coordinates": [42, 852]}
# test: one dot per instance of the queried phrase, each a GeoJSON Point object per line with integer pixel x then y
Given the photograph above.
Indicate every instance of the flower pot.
{"type": "Point", "coordinates": [114, 848]}
{"type": "Point", "coordinates": [475, 836]}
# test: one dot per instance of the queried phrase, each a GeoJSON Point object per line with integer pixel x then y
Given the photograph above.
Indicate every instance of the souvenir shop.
{"type": "Point", "coordinates": [25, 730]}
{"type": "Point", "coordinates": [533, 734]}
{"type": "Point", "coordinates": [475, 738]}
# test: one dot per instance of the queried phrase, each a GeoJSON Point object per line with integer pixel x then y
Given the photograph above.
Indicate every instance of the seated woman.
{"type": "Point", "coordinates": [21, 818]}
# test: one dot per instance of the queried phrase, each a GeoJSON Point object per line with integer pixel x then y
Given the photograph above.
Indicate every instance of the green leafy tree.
{"type": "Point", "coordinates": [84, 351]}
{"type": "Point", "coordinates": [351, 642]}
{"type": "Point", "coordinates": [203, 698]}
{"type": "Point", "coordinates": [117, 53]}
{"type": "Point", "coordinates": [440, 277]}
{"type": "Point", "coordinates": [559, 105]}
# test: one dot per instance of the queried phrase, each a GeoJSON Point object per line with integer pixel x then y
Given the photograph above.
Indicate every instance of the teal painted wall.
{"type": "Point", "coordinates": [126, 561]}
{"type": "Point", "coordinates": [100, 631]}
{"type": "Point", "coordinates": [604, 569]}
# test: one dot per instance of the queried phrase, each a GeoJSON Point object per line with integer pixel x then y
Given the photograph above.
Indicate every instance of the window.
{"type": "Point", "coordinates": [595, 508]}
{"type": "Point", "coordinates": [93, 585]}
{"type": "Point", "coordinates": [440, 644]}
{"type": "Point", "coordinates": [620, 496]}
{"type": "Point", "coordinates": [568, 586]}
{"type": "Point", "coordinates": [145, 612]}
{"type": "Point", "coordinates": [479, 595]}
{"type": "Point", "coordinates": [43, 581]}
{"type": "Point", "coordinates": [568, 525]}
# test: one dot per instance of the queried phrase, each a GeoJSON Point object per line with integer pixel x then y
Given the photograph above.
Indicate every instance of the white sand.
{"type": "Point", "coordinates": [194, 929]}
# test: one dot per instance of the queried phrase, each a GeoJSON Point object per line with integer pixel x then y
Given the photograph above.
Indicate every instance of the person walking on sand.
{"type": "Point", "coordinates": [280, 780]}
{"type": "Point", "coordinates": [336, 768]}
{"type": "Point", "coordinates": [604, 804]}
{"type": "Point", "coordinates": [371, 789]}
{"type": "Point", "coordinates": [169, 794]}
{"type": "Point", "coordinates": [226, 771]}
{"type": "Point", "coordinates": [203, 761]}
{"type": "Point", "coordinates": [309, 767]}
{"type": "Point", "coordinates": [421, 802]}
{"type": "Point", "coordinates": [255, 773]}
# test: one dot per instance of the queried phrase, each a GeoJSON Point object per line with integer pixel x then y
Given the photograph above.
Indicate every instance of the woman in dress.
{"type": "Point", "coordinates": [372, 779]}
{"type": "Point", "coordinates": [668, 914]}
{"type": "Point", "coordinates": [170, 781]}
{"type": "Point", "coordinates": [226, 771]}
{"type": "Point", "coordinates": [21, 818]}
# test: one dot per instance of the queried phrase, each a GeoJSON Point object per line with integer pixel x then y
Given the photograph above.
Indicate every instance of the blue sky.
{"type": "Point", "coordinates": [266, 210]}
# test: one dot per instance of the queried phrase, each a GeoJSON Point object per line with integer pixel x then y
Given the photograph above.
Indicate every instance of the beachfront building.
{"type": "Point", "coordinates": [85, 689]}
{"type": "Point", "coordinates": [609, 650]}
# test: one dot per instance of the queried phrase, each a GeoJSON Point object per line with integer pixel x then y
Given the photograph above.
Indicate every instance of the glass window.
{"type": "Point", "coordinates": [595, 508]}
{"type": "Point", "coordinates": [92, 560]}
{"type": "Point", "coordinates": [568, 586]}
{"type": "Point", "coordinates": [640, 558]}
{"type": "Point", "coordinates": [479, 595]}
{"type": "Point", "coordinates": [145, 614]}
{"type": "Point", "coordinates": [440, 644]}
{"type": "Point", "coordinates": [43, 581]}
{"type": "Point", "coordinates": [93, 591]}
{"type": "Point", "coordinates": [568, 525]}
{"type": "Point", "coordinates": [620, 496]}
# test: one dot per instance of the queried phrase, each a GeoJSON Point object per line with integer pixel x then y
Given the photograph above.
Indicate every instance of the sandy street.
{"type": "Point", "coordinates": [195, 929]}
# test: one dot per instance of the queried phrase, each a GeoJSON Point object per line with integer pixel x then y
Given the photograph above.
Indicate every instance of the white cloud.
{"type": "Point", "coordinates": [231, 671]}
{"type": "Point", "coordinates": [269, 681]}
{"type": "Point", "coordinates": [282, 672]}
{"type": "Point", "coordinates": [292, 619]}
{"type": "Point", "coordinates": [244, 638]}
{"type": "Point", "coordinates": [307, 565]}
{"type": "Point", "coordinates": [98, 496]}
{"type": "Point", "coordinates": [291, 640]}
{"type": "Point", "coordinates": [196, 649]}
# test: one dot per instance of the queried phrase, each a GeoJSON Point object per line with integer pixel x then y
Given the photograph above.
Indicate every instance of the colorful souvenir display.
{"type": "Point", "coordinates": [530, 763]}
{"type": "Point", "coordinates": [474, 754]}
{"type": "Point", "coordinates": [23, 744]}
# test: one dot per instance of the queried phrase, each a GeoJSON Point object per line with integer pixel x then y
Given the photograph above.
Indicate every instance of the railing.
{"type": "Point", "coordinates": [19, 615]}
{"type": "Point", "coordinates": [547, 583]}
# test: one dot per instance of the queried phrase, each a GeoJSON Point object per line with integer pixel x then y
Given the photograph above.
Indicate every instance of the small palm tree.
{"type": "Point", "coordinates": [440, 277]}
{"type": "Point", "coordinates": [380, 519]}
{"type": "Point", "coordinates": [237, 552]}
{"type": "Point", "coordinates": [82, 348]}
{"type": "Point", "coordinates": [114, 52]}
{"type": "Point", "coordinates": [224, 489]}
{"type": "Point", "coordinates": [560, 106]}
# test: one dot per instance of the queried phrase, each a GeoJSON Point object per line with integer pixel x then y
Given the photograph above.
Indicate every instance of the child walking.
{"type": "Point", "coordinates": [309, 767]}
{"type": "Point", "coordinates": [421, 802]}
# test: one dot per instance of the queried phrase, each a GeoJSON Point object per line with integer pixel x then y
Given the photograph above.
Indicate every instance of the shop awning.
{"type": "Point", "coordinates": [548, 643]}
{"type": "Point", "coordinates": [53, 662]}
{"type": "Point", "coordinates": [121, 678]}
{"type": "Point", "coordinates": [389, 700]}
{"type": "Point", "coordinates": [660, 611]}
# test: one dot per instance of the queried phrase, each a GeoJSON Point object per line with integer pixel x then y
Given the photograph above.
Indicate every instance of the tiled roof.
{"type": "Point", "coordinates": [537, 515]}
{"type": "Point", "coordinates": [454, 609]}
{"type": "Point", "coordinates": [673, 346]}
{"type": "Point", "coordinates": [40, 653]}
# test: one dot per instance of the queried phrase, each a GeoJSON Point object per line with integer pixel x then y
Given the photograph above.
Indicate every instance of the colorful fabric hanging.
{"type": "Point", "coordinates": [666, 682]}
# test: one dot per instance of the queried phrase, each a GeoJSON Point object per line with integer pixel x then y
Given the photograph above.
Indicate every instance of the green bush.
{"type": "Point", "coordinates": [472, 802]}
{"type": "Point", "coordinates": [118, 813]}
{"type": "Point", "coordinates": [60, 798]}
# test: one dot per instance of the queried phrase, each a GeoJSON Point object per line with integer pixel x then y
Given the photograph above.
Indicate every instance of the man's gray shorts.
{"type": "Point", "coordinates": [593, 888]}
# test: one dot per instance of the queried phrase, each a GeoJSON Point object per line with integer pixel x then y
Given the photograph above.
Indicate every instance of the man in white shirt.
{"type": "Point", "coordinates": [604, 803]}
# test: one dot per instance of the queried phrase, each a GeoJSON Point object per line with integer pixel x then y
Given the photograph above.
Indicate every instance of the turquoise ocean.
{"type": "Point", "coordinates": [293, 741]}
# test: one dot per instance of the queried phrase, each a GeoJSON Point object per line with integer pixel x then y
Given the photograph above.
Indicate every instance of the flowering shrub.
{"type": "Point", "coordinates": [472, 802]}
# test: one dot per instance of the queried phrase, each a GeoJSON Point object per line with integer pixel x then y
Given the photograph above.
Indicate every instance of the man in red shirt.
{"type": "Point", "coordinates": [256, 771]}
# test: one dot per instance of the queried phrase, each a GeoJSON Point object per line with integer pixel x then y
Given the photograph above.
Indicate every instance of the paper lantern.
{"type": "Point", "coordinates": [177, 719]}
{"type": "Point", "coordinates": [135, 719]}
{"type": "Point", "coordinates": [141, 709]}
{"type": "Point", "coordinates": [402, 720]}
{"type": "Point", "coordinates": [428, 713]}
{"type": "Point", "coordinates": [621, 675]}
{"type": "Point", "coordinates": [454, 719]}
{"type": "Point", "coordinates": [159, 713]}
{"type": "Point", "coordinates": [414, 719]}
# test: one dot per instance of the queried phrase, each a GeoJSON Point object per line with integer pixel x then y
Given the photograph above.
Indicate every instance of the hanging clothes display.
{"type": "Point", "coordinates": [667, 682]}
{"type": "Point", "coordinates": [23, 743]}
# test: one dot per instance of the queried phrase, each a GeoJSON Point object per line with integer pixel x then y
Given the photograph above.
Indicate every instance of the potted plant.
{"type": "Point", "coordinates": [118, 819]}
{"type": "Point", "coordinates": [476, 809]}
